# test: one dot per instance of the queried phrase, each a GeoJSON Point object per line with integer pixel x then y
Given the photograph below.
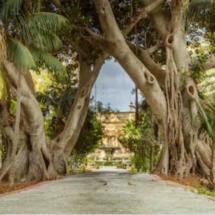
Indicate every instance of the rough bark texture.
{"type": "Point", "coordinates": [172, 97]}
{"type": "Point", "coordinates": [117, 47]}
{"type": "Point", "coordinates": [65, 142]}
{"type": "Point", "coordinates": [32, 141]}
{"type": "Point", "coordinates": [183, 152]}
{"type": "Point", "coordinates": [35, 157]}
{"type": "Point", "coordinates": [114, 43]}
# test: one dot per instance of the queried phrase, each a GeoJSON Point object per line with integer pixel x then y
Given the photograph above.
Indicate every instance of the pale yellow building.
{"type": "Point", "coordinates": [110, 148]}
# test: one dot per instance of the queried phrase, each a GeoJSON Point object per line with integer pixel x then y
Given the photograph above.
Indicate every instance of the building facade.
{"type": "Point", "coordinates": [110, 148]}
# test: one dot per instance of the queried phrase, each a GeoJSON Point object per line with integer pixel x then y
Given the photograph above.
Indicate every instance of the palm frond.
{"type": "Point", "coordinates": [20, 54]}
{"type": "Point", "coordinates": [10, 7]}
{"type": "Point", "coordinates": [197, 5]}
{"type": "Point", "coordinates": [52, 63]}
{"type": "Point", "coordinates": [44, 26]}
{"type": "Point", "coordinates": [200, 7]}
{"type": "Point", "coordinates": [45, 39]}
{"type": "Point", "coordinates": [207, 118]}
{"type": "Point", "coordinates": [47, 21]}
{"type": "Point", "coordinates": [48, 42]}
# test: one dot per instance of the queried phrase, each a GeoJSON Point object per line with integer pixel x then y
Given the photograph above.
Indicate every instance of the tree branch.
{"type": "Point", "coordinates": [139, 15]}
{"type": "Point", "coordinates": [95, 39]}
{"type": "Point", "coordinates": [98, 64]}
{"type": "Point", "coordinates": [160, 19]}
{"type": "Point", "coordinates": [151, 65]}
{"type": "Point", "coordinates": [143, 79]}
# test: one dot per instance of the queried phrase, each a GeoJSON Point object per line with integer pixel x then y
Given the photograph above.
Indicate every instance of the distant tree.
{"type": "Point", "coordinates": [141, 141]}
{"type": "Point", "coordinates": [90, 136]}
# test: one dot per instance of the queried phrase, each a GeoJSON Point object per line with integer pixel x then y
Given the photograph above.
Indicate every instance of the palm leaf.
{"type": "Point", "coordinates": [19, 54]}
{"type": "Point", "coordinates": [47, 21]}
{"type": "Point", "coordinates": [207, 117]}
{"type": "Point", "coordinates": [10, 7]}
{"type": "Point", "coordinates": [198, 5]}
{"type": "Point", "coordinates": [44, 25]}
{"type": "Point", "coordinates": [49, 60]}
{"type": "Point", "coordinates": [200, 8]}
{"type": "Point", "coordinates": [48, 42]}
{"type": "Point", "coordinates": [45, 39]}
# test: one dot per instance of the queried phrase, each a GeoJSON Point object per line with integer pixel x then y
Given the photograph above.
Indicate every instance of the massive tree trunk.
{"type": "Point", "coordinates": [35, 157]}
{"type": "Point", "coordinates": [172, 97]}
{"type": "Point", "coordinates": [64, 143]}
{"type": "Point", "coordinates": [115, 44]}
{"type": "Point", "coordinates": [29, 162]}
{"type": "Point", "coordinates": [186, 156]}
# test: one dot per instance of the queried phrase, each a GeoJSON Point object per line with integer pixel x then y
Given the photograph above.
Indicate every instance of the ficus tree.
{"type": "Point", "coordinates": [142, 36]}
{"type": "Point", "coordinates": [141, 140]}
{"type": "Point", "coordinates": [170, 91]}
{"type": "Point", "coordinates": [29, 37]}
{"type": "Point", "coordinates": [20, 23]}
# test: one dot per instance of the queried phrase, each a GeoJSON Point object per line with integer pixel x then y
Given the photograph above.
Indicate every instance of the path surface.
{"type": "Point", "coordinates": [115, 192]}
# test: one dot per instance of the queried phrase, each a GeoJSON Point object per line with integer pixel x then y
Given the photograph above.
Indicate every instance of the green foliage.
{"type": "Point", "coordinates": [88, 141]}
{"type": "Point", "coordinates": [31, 35]}
{"type": "Point", "coordinates": [207, 118]}
{"type": "Point", "coordinates": [19, 54]}
{"type": "Point", "coordinates": [13, 106]}
{"type": "Point", "coordinates": [52, 63]}
{"type": "Point", "coordinates": [56, 103]}
{"type": "Point", "coordinates": [197, 73]}
{"type": "Point", "coordinates": [201, 10]}
{"type": "Point", "coordinates": [77, 162]}
{"type": "Point", "coordinates": [118, 164]}
{"type": "Point", "coordinates": [47, 20]}
{"type": "Point", "coordinates": [141, 141]}
{"type": "Point", "coordinates": [90, 136]}
{"type": "Point", "coordinates": [10, 7]}
{"type": "Point", "coordinates": [45, 26]}
{"type": "Point", "coordinates": [205, 191]}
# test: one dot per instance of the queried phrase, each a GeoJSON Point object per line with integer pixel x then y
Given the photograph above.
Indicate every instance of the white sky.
{"type": "Point", "coordinates": [114, 86]}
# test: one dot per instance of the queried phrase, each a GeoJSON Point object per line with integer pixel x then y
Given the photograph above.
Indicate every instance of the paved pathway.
{"type": "Point", "coordinates": [107, 192]}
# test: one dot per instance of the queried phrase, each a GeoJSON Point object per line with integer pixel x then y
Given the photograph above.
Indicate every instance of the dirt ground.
{"type": "Point", "coordinates": [193, 181]}
{"type": "Point", "coordinates": [6, 188]}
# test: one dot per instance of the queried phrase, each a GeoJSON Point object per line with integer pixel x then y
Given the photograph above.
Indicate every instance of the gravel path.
{"type": "Point", "coordinates": [107, 192]}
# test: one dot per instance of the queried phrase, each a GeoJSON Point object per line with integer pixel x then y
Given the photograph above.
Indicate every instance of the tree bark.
{"type": "Point", "coordinates": [189, 154]}
{"type": "Point", "coordinates": [176, 104]}
{"type": "Point", "coordinates": [114, 43]}
{"type": "Point", "coordinates": [16, 130]}
{"type": "Point", "coordinates": [65, 142]}
{"type": "Point", "coordinates": [34, 130]}
{"type": "Point", "coordinates": [36, 159]}
{"type": "Point", "coordinates": [117, 47]}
